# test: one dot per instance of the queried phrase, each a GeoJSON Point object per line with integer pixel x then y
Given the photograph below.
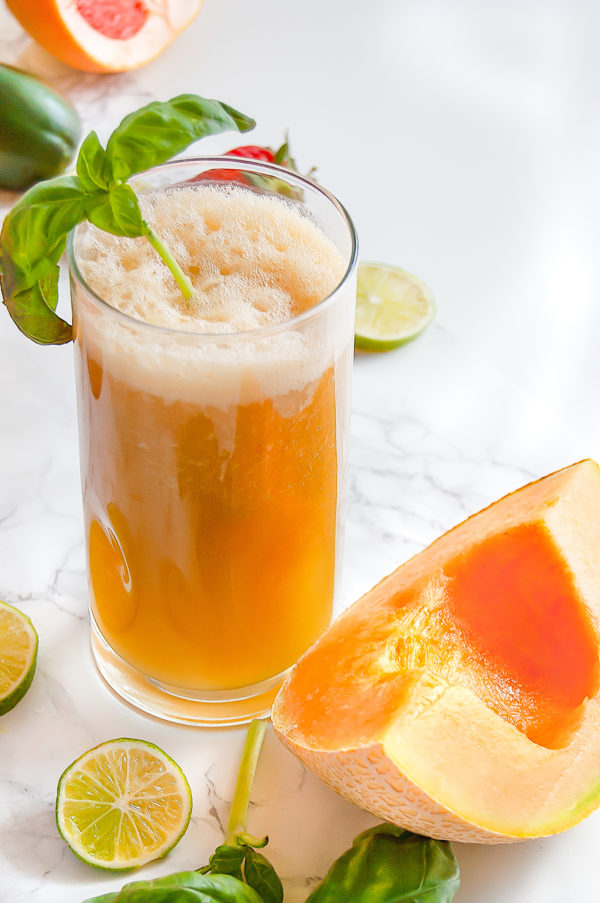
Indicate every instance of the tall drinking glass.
{"type": "Point", "coordinates": [212, 467]}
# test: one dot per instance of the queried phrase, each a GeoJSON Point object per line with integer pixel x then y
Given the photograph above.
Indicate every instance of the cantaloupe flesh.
{"type": "Point", "coordinates": [503, 619]}
{"type": "Point", "coordinates": [476, 664]}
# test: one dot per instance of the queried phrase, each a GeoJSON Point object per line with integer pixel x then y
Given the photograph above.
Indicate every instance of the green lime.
{"type": "Point", "coordinates": [392, 307]}
{"type": "Point", "coordinates": [18, 653]}
{"type": "Point", "coordinates": [122, 804]}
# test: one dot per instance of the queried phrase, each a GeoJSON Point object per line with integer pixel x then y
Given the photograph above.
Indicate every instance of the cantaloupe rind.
{"type": "Point", "coordinates": [445, 764]}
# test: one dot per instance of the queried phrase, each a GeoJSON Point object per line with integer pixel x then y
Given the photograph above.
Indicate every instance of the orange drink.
{"type": "Point", "coordinates": [212, 437]}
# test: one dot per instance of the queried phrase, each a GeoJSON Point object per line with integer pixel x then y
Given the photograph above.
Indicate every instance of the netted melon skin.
{"type": "Point", "coordinates": [368, 778]}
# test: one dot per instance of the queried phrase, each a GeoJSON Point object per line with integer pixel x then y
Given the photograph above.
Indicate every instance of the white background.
{"type": "Point", "coordinates": [464, 138]}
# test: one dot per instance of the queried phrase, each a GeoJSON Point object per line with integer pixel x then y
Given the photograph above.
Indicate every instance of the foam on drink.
{"type": "Point", "coordinates": [255, 261]}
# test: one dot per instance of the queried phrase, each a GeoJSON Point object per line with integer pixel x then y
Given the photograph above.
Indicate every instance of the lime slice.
{"type": "Point", "coordinates": [392, 307]}
{"type": "Point", "coordinates": [122, 804]}
{"type": "Point", "coordinates": [18, 652]}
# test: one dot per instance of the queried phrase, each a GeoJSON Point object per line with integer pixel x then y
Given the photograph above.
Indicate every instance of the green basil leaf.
{"type": "Point", "coordinates": [387, 864]}
{"type": "Point", "coordinates": [118, 211]}
{"type": "Point", "coordinates": [160, 130]}
{"type": "Point", "coordinates": [260, 874]}
{"type": "Point", "coordinates": [34, 232]}
{"type": "Point", "coordinates": [183, 887]}
{"type": "Point", "coordinates": [93, 166]}
{"type": "Point", "coordinates": [228, 859]}
{"type": "Point", "coordinates": [246, 864]}
{"type": "Point", "coordinates": [49, 289]}
{"type": "Point", "coordinates": [34, 314]}
{"type": "Point", "coordinates": [32, 241]}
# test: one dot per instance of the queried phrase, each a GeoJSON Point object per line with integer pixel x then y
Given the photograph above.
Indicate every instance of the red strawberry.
{"type": "Point", "coordinates": [220, 175]}
{"type": "Point", "coordinates": [280, 157]}
{"type": "Point", "coordinates": [253, 152]}
{"type": "Point", "coordinates": [248, 152]}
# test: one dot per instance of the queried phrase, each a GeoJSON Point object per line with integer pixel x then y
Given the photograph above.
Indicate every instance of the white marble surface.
{"type": "Point", "coordinates": [464, 138]}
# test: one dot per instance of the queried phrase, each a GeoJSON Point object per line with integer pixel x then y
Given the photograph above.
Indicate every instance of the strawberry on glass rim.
{"type": "Point", "coordinates": [279, 157]}
{"type": "Point", "coordinates": [255, 152]}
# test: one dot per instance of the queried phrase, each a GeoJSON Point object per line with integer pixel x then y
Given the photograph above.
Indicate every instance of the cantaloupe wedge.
{"type": "Point", "coordinates": [459, 697]}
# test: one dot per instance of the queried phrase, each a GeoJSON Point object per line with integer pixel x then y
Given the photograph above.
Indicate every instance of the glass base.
{"type": "Point", "coordinates": [204, 708]}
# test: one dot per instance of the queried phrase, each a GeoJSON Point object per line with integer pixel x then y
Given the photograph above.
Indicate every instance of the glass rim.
{"type": "Point", "coordinates": [227, 162]}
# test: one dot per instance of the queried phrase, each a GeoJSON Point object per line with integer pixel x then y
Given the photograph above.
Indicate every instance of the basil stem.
{"type": "Point", "coordinates": [183, 281]}
{"type": "Point", "coordinates": [241, 798]}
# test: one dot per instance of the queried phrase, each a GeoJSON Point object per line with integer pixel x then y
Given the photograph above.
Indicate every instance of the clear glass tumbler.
{"type": "Point", "coordinates": [212, 470]}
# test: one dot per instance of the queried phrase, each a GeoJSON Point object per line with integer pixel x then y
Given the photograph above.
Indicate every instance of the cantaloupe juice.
{"type": "Point", "coordinates": [211, 437]}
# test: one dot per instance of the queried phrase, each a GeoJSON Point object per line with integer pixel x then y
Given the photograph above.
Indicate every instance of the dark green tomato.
{"type": "Point", "coordinates": [39, 129]}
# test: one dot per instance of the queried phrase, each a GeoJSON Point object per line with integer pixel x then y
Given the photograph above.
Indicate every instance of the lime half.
{"type": "Point", "coordinates": [18, 653]}
{"type": "Point", "coordinates": [392, 307]}
{"type": "Point", "coordinates": [123, 804]}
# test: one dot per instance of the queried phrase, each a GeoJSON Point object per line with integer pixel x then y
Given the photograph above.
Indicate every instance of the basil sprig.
{"type": "Point", "coordinates": [239, 857]}
{"type": "Point", "coordinates": [34, 233]}
{"type": "Point", "coordinates": [385, 864]}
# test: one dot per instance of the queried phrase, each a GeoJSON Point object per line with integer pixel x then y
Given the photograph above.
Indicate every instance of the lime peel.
{"type": "Point", "coordinates": [392, 307]}
{"type": "Point", "coordinates": [18, 656]}
{"type": "Point", "coordinates": [122, 804]}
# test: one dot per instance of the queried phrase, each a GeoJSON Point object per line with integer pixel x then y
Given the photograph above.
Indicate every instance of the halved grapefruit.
{"type": "Point", "coordinates": [460, 697]}
{"type": "Point", "coordinates": [104, 35]}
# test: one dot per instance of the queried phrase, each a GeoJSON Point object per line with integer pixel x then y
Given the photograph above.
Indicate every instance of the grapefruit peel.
{"type": "Point", "coordinates": [104, 35]}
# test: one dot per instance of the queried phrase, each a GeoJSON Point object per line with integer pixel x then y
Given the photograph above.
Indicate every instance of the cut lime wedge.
{"type": "Point", "coordinates": [123, 804]}
{"type": "Point", "coordinates": [392, 307]}
{"type": "Point", "coordinates": [18, 653]}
